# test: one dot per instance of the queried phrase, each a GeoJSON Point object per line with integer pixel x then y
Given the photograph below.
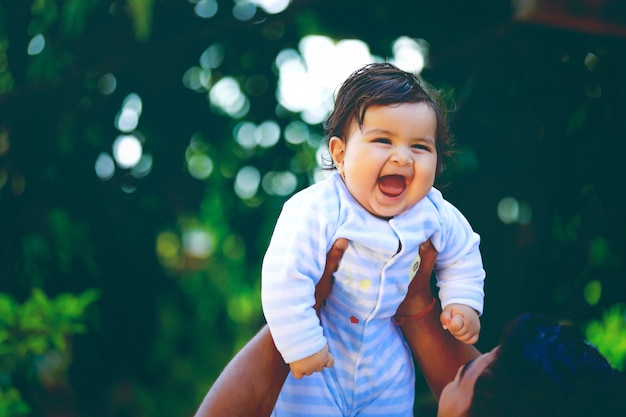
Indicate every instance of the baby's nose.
{"type": "Point", "coordinates": [401, 156]}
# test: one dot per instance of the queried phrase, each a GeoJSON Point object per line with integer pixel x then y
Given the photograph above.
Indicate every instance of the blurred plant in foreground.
{"type": "Point", "coordinates": [609, 335]}
{"type": "Point", "coordinates": [35, 343]}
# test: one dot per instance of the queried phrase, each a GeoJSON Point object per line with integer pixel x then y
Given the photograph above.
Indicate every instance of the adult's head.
{"type": "Point", "coordinates": [385, 84]}
{"type": "Point", "coordinates": [540, 369]}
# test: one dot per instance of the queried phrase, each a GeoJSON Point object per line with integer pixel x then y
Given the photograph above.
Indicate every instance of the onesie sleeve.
{"type": "Point", "coordinates": [459, 265]}
{"type": "Point", "coordinates": [292, 266]}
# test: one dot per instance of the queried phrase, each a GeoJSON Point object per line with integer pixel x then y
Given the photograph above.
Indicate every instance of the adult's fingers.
{"type": "Point", "coordinates": [428, 255]}
{"type": "Point", "coordinates": [333, 257]}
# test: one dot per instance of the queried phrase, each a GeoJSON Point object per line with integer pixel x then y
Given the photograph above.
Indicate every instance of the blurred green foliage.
{"type": "Point", "coordinates": [608, 334]}
{"type": "Point", "coordinates": [539, 121]}
{"type": "Point", "coordinates": [29, 331]}
{"type": "Point", "coordinates": [11, 403]}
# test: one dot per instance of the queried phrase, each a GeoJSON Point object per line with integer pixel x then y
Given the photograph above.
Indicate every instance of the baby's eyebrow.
{"type": "Point", "coordinates": [379, 131]}
{"type": "Point", "coordinates": [427, 139]}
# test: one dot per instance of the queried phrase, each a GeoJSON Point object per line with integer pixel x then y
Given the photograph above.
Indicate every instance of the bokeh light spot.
{"type": "Point", "coordinates": [267, 134]}
{"type": "Point", "coordinates": [508, 210]}
{"type": "Point", "coordinates": [200, 166]}
{"type": "Point", "coordinates": [198, 243]}
{"type": "Point", "coordinates": [593, 292]}
{"type": "Point", "coordinates": [143, 167]}
{"type": "Point", "coordinates": [197, 79]}
{"type": "Point", "coordinates": [244, 134]}
{"type": "Point", "coordinates": [205, 8]}
{"type": "Point", "coordinates": [590, 61]}
{"type": "Point", "coordinates": [36, 44]}
{"type": "Point", "coordinates": [133, 102]}
{"type": "Point", "coordinates": [272, 6]}
{"type": "Point", "coordinates": [105, 166]}
{"type": "Point", "coordinates": [511, 210]}
{"type": "Point", "coordinates": [279, 183]}
{"type": "Point", "coordinates": [168, 248]}
{"type": "Point", "coordinates": [212, 57]}
{"type": "Point", "coordinates": [228, 97]}
{"type": "Point", "coordinates": [525, 213]}
{"type": "Point", "coordinates": [297, 132]}
{"type": "Point", "coordinates": [128, 188]}
{"type": "Point", "coordinates": [126, 120]}
{"type": "Point", "coordinates": [244, 11]}
{"type": "Point", "coordinates": [247, 182]}
{"type": "Point", "coordinates": [197, 144]}
{"type": "Point", "coordinates": [127, 151]}
{"type": "Point", "coordinates": [309, 77]}
{"type": "Point", "coordinates": [410, 54]}
{"type": "Point", "coordinates": [241, 307]}
{"type": "Point", "coordinates": [308, 80]}
{"type": "Point", "coordinates": [107, 84]}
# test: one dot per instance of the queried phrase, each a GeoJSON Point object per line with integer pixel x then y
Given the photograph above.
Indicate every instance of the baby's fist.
{"type": "Point", "coordinates": [462, 322]}
{"type": "Point", "coordinates": [314, 363]}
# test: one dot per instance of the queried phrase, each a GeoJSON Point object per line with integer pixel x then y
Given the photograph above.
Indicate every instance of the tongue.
{"type": "Point", "coordinates": [392, 185]}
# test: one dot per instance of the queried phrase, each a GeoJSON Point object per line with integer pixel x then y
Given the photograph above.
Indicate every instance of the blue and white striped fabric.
{"type": "Point", "coordinates": [373, 372]}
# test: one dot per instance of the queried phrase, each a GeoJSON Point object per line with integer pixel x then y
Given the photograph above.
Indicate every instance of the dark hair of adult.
{"type": "Point", "coordinates": [547, 369]}
{"type": "Point", "coordinates": [385, 84]}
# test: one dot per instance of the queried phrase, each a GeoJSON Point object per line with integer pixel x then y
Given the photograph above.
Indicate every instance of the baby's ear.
{"type": "Point", "coordinates": [337, 148]}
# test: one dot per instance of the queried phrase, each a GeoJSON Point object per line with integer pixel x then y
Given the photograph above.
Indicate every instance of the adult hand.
{"type": "Point", "coordinates": [419, 296]}
{"type": "Point", "coordinates": [438, 354]}
{"type": "Point", "coordinates": [251, 382]}
{"type": "Point", "coordinates": [333, 257]}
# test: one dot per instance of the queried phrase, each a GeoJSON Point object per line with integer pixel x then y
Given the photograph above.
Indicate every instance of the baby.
{"type": "Point", "coordinates": [387, 139]}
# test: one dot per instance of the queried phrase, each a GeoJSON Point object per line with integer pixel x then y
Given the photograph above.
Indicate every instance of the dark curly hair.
{"type": "Point", "coordinates": [547, 369]}
{"type": "Point", "coordinates": [385, 84]}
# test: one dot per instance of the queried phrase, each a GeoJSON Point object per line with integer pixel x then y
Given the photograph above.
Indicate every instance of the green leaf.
{"type": "Point", "coordinates": [11, 403]}
{"type": "Point", "coordinates": [609, 335]}
{"type": "Point", "coordinates": [74, 14]}
{"type": "Point", "coordinates": [7, 311]}
{"type": "Point", "coordinates": [593, 292]}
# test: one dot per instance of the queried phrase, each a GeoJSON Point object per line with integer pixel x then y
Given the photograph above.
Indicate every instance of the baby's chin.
{"type": "Point", "coordinates": [385, 212]}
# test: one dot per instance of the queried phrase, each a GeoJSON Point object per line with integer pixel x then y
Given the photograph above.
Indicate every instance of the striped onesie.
{"type": "Point", "coordinates": [373, 372]}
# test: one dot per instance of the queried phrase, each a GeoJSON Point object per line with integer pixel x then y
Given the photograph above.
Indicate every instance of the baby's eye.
{"type": "Point", "coordinates": [382, 140]}
{"type": "Point", "coordinates": [420, 146]}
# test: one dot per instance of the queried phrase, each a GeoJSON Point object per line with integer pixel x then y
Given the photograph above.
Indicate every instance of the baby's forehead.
{"type": "Point", "coordinates": [373, 113]}
{"type": "Point", "coordinates": [362, 112]}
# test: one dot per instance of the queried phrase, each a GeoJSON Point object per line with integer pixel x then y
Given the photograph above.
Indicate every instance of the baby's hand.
{"type": "Point", "coordinates": [462, 321]}
{"type": "Point", "coordinates": [314, 363]}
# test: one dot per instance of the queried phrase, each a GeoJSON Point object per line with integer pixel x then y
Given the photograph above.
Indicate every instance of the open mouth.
{"type": "Point", "coordinates": [392, 185]}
